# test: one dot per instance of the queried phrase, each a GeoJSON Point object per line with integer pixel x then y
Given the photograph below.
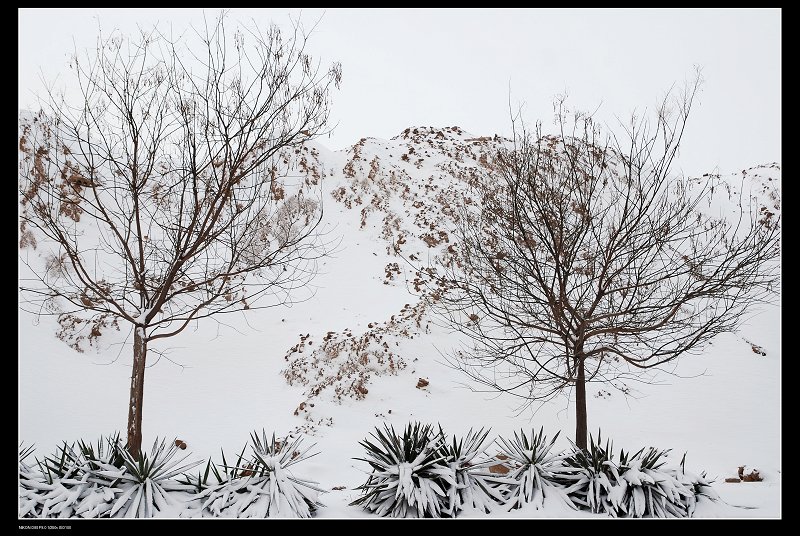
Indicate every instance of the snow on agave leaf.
{"type": "Point", "coordinates": [637, 486]}
{"type": "Point", "coordinates": [86, 483]}
{"type": "Point", "coordinates": [267, 489]}
{"type": "Point", "coordinates": [410, 474]}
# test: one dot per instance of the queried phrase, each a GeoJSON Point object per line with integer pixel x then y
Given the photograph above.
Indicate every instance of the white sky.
{"type": "Point", "coordinates": [412, 67]}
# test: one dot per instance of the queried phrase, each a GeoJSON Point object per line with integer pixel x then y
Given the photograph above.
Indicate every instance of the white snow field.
{"type": "Point", "coordinates": [214, 384]}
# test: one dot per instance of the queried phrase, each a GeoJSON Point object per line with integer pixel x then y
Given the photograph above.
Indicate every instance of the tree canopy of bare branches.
{"type": "Point", "coordinates": [159, 197]}
{"type": "Point", "coordinates": [590, 260]}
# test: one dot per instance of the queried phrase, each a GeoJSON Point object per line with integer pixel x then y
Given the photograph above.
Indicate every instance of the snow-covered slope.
{"type": "Point", "coordinates": [350, 356]}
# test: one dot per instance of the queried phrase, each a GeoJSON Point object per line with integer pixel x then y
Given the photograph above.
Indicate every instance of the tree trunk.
{"type": "Point", "coordinates": [137, 392]}
{"type": "Point", "coordinates": [580, 407]}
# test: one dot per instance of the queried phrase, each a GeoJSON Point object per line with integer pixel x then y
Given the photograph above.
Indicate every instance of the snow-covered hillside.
{"type": "Point", "coordinates": [351, 354]}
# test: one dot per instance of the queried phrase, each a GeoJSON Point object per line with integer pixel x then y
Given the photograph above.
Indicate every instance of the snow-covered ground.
{"type": "Point", "coordinates": [215, 383]}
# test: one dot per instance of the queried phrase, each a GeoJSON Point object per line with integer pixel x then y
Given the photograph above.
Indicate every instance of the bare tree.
{"type": "Point", "coordinates": [589, 261]}
{"type": "Point", "coordinates": [158, 199]}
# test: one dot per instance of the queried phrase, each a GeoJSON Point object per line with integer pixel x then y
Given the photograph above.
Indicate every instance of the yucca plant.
{"type": "Point", "coordinates": [222, 473]}
{"type": "Point", "coordinates": [698, 483]}
{"type": "Point", "coordinates": [25, 452]}
{"type": "Point", "coordinates": [475, 486]}
{"type": "Point", "coordinates": [145, 480]}
{"type": "Point", "coordinates": [262, 486]}
{"type": "Point", "coordinates": [638, 485]}
{"type": "Point", "coordinates": [107, 451]}
{"type": "Point", "coordinates": [30, 484]}
{"type": "Point", "coordinates": [66, 484]}
{"type": "Point", "coordinates": [98, 497]}
{"type": "Point", "coordinates": [101, 480]}
{"type": "Point", "coordinates": [410, 473]}
{"type": "Point", "coordinates": [64, 463]}
{"type": "Point", "coordinates": [531, 465]}
{"type": "Point", "coordinates": [585, 474]}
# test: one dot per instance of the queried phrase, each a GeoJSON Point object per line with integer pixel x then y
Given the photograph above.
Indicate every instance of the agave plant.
{"type": "Point", "coordinates": [699, 484]}
{"type": "Point", "coordinates": [25, 452]}
{"type": "Point", "coordinates": [66, 485]}
{"type": "Point", "coordinates": [263, 486]}
{"type": "Point", "coordinates": [146, 480]}
{"type": "Point", "coordinates": [108, 451]}
{"type": "Point", "coordinates": [588, 479]}
{"type": "Point", "coordinates": [637, 485]}
{"type": "Point", "coordinates": [30, 483]}
{"type": "Point", "coordinates": [67, 481]}
{"type": "Point", "coordinates": [223, 473]}
{"type": "Point", "coordinates": [475, 486]}
{"type": "Point", "coordinates": [531, 465]}
{"type": "Point", "coordinates": [102, 481]}
{"type": "Point", "coordinates": [98, 497]}
{"type": "Point", "coordinates": [410, 474]}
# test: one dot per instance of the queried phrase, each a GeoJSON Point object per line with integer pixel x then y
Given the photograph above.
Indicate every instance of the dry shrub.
{"type": "Point", "coordinates": [79, 332]}
{"type": "Point", "coordinates": [343, 364]}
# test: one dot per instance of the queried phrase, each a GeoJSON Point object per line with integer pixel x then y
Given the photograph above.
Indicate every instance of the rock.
{"type": "Point", "coordinates": [752, 476]}
{"type": "Point", "coordinates": [498, 469]}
